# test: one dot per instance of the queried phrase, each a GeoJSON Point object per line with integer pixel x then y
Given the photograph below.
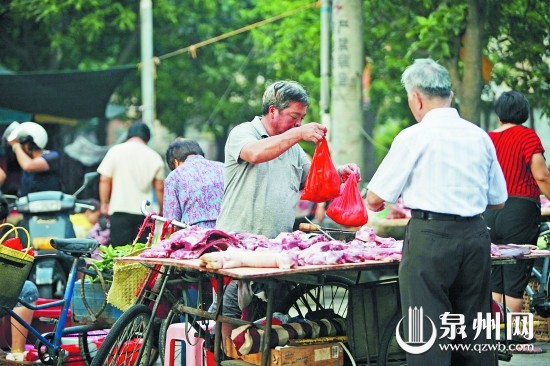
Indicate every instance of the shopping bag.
{"type": "Point", "coordinates": [15, 266]}
{"type": "Point", "coordinates": [14, 242]}
{"type": "Point", "coordinates": [323, 181]}
{"type": "Point", "coordinates": [349, 209]}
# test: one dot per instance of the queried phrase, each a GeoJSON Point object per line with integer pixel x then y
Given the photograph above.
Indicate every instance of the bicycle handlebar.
{"type": "Point", "coordinates": [144, 211]}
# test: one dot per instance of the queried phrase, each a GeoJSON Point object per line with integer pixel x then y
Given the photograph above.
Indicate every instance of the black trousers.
{"type": "Point", "coordinates": [446, 269]}
{"type": "Point", "coordinates": [125, 227]}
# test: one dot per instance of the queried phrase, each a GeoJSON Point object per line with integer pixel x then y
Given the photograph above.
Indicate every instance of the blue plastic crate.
{"type": "Point", "coordinates": [95, 298]}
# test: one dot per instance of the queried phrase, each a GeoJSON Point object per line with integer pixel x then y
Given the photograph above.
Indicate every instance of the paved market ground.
{"type": "Point", "coordinates": [542, 359]}
{"type": "Point", "coordinates": [531, 360]}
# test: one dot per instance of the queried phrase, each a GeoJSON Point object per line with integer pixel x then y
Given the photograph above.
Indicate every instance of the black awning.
{"type": "Point", "coordinates": [72, 94]}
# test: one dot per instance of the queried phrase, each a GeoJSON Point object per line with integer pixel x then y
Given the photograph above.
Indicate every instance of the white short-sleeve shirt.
{"type": "Point", "coordinates": [443, 164]}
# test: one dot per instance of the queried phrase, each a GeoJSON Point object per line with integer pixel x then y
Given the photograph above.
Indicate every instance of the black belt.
{"type": "Point", "coordinates": [428, 215]}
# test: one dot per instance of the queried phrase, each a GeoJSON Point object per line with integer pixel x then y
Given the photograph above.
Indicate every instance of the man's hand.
{"type": "Point", "coordinates": [374, 202]}
{"type": "Point", "coordinates": [313, 132]}
{"type": "Point", "coordinates": [104, 209]}
{"type": "Point", "coordinates": [346, 170]}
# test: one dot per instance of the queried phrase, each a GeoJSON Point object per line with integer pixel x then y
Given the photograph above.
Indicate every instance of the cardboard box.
{"type": "Point", "coordinates": [324, 354]}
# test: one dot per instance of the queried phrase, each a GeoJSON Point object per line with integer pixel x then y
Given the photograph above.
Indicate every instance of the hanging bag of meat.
{"type": "Point", "coordinates": [349, 209]}
{"type": "Point", "coordinates": [323, 181]}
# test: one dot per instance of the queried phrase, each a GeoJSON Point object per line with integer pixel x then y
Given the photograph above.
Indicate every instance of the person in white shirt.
{"type": "Point", "coordinates": [128, 173]}
{"type": "Point", "coordinates": [446, 170]}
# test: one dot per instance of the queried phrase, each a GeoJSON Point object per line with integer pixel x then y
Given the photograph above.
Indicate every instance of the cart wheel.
{"type": "Point", "coordinates": [84, 346]}
{"type": "Point", "coordinates": [389, 351]}
{"type": "Point", "coordinates": [125, 340]}
{"type": "Point", "coordinates": [333, 294]}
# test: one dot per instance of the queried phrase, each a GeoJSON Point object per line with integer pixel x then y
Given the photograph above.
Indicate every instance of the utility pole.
{"type": "Point", "coordinates": [325, 62]}
{"type": "Point", "coordinates": [147, 65]}
{"type": "Point", "coordinates": [345, 132]}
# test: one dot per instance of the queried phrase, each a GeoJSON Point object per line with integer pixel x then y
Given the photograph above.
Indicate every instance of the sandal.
{"type": "Point", "coordinates": [527, 349]}
{"type": "Point", "coordinates": [16, 356]}
{"type": "Point", "coordinates": [521, 340]}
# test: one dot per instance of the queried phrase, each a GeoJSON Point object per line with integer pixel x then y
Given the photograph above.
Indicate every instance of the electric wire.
{"type": "Point", "coordinates": [193, 48]}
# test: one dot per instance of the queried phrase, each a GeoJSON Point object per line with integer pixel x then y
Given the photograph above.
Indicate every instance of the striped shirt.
{"type": "Point", "coordinates": [515, 147]}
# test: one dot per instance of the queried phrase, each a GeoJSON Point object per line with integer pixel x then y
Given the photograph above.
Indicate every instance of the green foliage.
{"type": "Point", "coordinates": [433, 33]}
{"type": "Point", "coordinates": [221, 84]}
{"type": "Point", "coordinates": [520, 50]}
{"type": "Point", "coordinates": [384, 135]}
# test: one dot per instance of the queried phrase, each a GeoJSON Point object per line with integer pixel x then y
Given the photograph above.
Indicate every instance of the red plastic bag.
{"type": "Point", "coordinates": [323, 181]}
{"type": "Point", "coordinates": [349, 209]}
{"type": "Point", "coordinates": [13, 243]}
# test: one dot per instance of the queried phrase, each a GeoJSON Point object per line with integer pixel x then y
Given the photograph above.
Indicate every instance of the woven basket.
{"type": "Point", "coordinates": [127, 279]}
{"type": "Point", "coordinates": [15, 267]}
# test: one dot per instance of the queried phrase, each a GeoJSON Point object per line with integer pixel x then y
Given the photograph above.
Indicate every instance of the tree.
{"type": "Point", "coordinates": [69, 34]}
{"type": "Point", "coordinates": [513, 36]}
{"type": "Point", "coordinates": [221, 84]}
{"type": "Point", "coordinates": [461, 35]}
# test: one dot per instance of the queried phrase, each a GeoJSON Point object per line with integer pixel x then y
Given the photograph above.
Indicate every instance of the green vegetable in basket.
{"type": "Point", "coordinates": [109, 253]}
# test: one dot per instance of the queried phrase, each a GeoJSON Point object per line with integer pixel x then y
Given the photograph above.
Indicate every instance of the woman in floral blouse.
{"type": "Point", "coordinates": [193, 190]}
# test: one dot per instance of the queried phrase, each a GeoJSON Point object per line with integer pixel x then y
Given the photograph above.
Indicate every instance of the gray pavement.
{"type": "Point", "coordinates": [542, 359]}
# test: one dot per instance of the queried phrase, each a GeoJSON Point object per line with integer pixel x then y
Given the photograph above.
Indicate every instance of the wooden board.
{"type": "Point", "coordinates": [245, 273]}
{"type": "Point", "coordinates": [324, 354]}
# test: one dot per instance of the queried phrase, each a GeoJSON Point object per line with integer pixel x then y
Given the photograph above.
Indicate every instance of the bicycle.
{"type": "Point", "coordinates": [49, 345]}
{"type": "Point", "coordinates": [390, 353]}
{"type": "Point", "coordinates": [136, 326]}
{"type": "Point", "coordinates": [539, 301]}
{"type": "Point", "coordinates": [132, 338]}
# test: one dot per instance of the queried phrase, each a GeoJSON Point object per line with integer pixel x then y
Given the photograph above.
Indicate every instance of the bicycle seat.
{"type": "Point", "coordinates": [75, 247]}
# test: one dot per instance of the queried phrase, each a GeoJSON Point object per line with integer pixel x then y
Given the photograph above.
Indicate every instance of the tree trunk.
{"type": "Point", "coordinates": [346, 124]}
{"type": "Point", "coordinates": [472, 81]}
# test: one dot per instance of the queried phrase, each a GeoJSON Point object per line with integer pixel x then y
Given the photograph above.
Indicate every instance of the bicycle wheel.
{"type": "Point", "coordinates": [171, 318]}
{"type": "Point", "coordinates": [87, 347]}
{"type": "Point", "coordinates": [190, 297]}
{"type": "Point", "coordinates": [389, 351]}
{"type": "Point", "coordinates": [193, 328]}
{"type": "Point", "coordinates": [332, 294]}
{"type": "Point", "coordinates": [122, 345]}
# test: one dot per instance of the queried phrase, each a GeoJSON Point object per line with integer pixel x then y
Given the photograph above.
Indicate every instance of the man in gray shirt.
{"type": "Point", "coordinates": [265, 169]}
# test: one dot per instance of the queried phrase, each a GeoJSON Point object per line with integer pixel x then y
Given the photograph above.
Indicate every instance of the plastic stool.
{"type": "Point", "coordinates": [193, 352]}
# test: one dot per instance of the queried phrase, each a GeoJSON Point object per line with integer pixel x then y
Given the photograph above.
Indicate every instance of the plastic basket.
{"type": "Point", "coordinates": [15, 267]}
{"type": "Point", "coordinates": [95, 298]}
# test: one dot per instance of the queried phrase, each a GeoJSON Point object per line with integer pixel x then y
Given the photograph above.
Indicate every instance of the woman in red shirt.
{"type": "Point", "coordinates": [520, 154]}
